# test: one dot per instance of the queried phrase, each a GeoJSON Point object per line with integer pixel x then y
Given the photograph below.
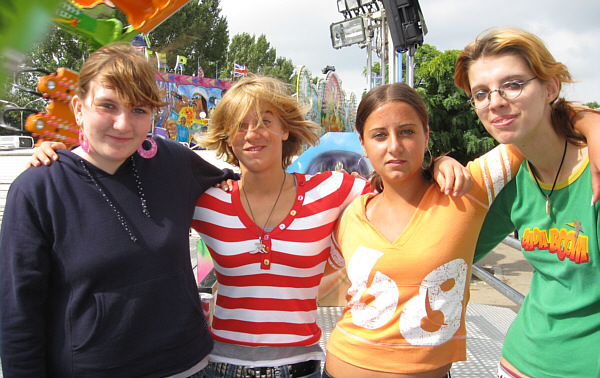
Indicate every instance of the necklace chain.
{"type": "Point", "coordinates": [548, 208]}
{"type": "Point", "coordinates": [260, 247]}
{"type": "Point", "coordinates": [120, 217]}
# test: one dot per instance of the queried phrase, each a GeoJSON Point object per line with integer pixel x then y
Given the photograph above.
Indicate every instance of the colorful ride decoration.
{"type": "Point", "coordinates": [94, 26]}
{"type": "Point", "coordinates": [93, 21]}
{"type": "Point", "coordinates": [143, 15]}
{"type": "Point", "coordinates": [191, 100]}
{"type": "Point", "coordinates": [57, 122]}
{"type": "Point", "coordinates": [331, 104]}
{"type": "Point", "coordinates": [306, 94]}
{"type": "Point", "coordinates": [327, 103]}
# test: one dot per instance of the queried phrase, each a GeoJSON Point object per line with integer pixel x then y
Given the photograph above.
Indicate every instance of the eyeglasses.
{"type": "Point", "coordinates": [509, 90]}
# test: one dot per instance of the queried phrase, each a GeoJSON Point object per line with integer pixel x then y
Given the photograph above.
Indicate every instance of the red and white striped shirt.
{"type": "Point", "coordinates": [270, 298]}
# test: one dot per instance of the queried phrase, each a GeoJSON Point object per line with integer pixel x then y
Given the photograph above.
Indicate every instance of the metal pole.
{"type": "Point", "coordinates": [393, 57]}
{"type": "Point", "coordinates": [399, 60]}
{"type": "Point", "coordinates": [410, 67]}
{"type": "Point", "coordinates": [382, 50]}
{"type": "Point", "coordinates": [369, 57]}
{"type": "Point", "coordinates": [503, 288]}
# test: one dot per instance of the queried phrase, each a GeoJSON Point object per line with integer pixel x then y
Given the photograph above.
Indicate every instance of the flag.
{"type": "Point", "coordinates": [200, 72]}
{"type": "Point", "coordinates": [181, 61]}
{"type": "Point", "coordinates": [161, 59]}
{"type": "Point", "coordinates": [239, 70]}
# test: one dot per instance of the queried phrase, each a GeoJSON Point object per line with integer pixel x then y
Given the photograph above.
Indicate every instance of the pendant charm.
{"type": "Point", "coordinates": [548, 205]}
{"type": "Point", "coordinates": [260, 247]}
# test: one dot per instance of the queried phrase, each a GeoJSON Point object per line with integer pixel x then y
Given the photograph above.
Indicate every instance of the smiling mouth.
{"type": "Point", "coordinates": [251, 149]}
{"type": "Point", "coordinates": [503, 121]}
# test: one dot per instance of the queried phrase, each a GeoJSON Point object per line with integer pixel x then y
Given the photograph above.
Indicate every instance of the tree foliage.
{"type": "Point", "coordinates": [593, 105]}
{"type": "Point", "coordinates": [454, 126]}
{"type": "Point", "coordinates": [258, 56]}
{"type": "Point", "coordinates": [198, 32]}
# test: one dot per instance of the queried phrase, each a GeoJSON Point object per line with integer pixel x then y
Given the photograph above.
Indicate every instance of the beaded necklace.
{"type": "Point", "coordinates": [141, 195]}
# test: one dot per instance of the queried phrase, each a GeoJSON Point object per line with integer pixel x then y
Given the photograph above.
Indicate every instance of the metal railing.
{"type": "Point", "coordinates": [497, 284]}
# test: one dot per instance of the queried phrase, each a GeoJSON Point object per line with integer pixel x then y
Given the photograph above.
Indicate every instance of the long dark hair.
{"type": "Point", "coordinates": [384, 94]}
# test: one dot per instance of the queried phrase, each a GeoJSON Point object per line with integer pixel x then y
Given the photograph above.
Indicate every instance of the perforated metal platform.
{"type": "Point", "coordinates": [486, 329]}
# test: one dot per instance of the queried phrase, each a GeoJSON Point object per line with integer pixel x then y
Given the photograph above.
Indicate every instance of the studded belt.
{"type": "Point", "coordinates": [296, 370]}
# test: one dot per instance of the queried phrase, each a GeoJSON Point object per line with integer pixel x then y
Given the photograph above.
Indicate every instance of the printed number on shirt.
{"type": "Point", "coordinates": [430, 318]}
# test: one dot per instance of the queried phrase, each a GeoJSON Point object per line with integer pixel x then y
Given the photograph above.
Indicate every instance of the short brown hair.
{"type": "Point", "coordinates": [120, 67]}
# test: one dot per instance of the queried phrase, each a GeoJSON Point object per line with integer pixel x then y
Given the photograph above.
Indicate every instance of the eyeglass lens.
{"type": "Point", "coordinates": [509, 90]}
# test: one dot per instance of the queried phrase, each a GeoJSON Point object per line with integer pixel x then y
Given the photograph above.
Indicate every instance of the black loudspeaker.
{"type": "Point", "coordinates": [406, 23]}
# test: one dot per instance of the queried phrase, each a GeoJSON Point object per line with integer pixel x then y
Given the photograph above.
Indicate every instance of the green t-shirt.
{"type": "Point", "coordinates": [557, 330]}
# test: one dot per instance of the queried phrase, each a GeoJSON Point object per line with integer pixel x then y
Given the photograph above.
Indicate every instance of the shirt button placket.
{"type": "Point", "coordinates": [265, 264]}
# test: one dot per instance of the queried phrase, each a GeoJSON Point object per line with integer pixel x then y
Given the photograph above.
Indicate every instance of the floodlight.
{"type": "Point", "coordinates": [352, 4]}
{"type": "Point", "coordinates": [348, 32]}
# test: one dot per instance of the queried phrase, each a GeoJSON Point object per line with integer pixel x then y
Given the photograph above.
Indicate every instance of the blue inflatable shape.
{"type": "Point", "coordinates": [334, 152]}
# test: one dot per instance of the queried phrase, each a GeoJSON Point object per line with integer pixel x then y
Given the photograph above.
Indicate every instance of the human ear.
{"type": "Point", "coordinates": [362, 145]}
{"type": "Point", "coordinates": [552, 89]}
{"type": "Point", "coordinates": [77, 105]}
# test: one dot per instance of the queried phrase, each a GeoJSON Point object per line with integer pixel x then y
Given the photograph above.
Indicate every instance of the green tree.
{"type": "Point", "coordinates": [198, 32]}
{"type": "Point", "coordinates": [258, 55]}
{"type": "Point", "coordinates": [455, 128]}
{"type": "Point", "coordinates": [283, 69]}
{"type": "Point", "coordinates": [593, 105]}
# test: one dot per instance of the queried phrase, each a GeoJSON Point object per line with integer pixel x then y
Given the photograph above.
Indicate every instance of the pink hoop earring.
{"type": "Point", "coordinates": [84, 143]}
{"type": "Point", "coordinates": [150, 152]}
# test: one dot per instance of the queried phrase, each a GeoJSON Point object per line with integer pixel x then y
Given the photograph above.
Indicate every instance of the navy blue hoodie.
{"type": "Point", "coordinates": [78, 297]}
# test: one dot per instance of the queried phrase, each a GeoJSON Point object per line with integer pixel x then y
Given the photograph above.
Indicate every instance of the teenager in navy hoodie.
{"type": "Point", "coordinates": [95, 271]}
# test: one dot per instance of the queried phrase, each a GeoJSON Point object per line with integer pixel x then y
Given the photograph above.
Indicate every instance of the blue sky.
{"type": "Point", "coordinates": [299, 30]}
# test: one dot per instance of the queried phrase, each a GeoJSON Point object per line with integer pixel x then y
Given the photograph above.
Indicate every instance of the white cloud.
{"type": "Point", "coordinates": [299, 30]}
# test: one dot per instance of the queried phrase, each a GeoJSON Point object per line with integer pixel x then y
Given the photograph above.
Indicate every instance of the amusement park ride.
{"type": "Point", "coordinates": [366, 22]}
{"type": "Point", "coordinates": [90, 21]}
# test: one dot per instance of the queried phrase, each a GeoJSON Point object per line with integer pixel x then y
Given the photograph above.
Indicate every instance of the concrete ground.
{"type": "Point", "coordinates": [508, 265]}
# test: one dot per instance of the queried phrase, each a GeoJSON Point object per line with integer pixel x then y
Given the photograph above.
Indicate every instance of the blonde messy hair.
{"type": "Point", "coordinates": [254, 94]}
{"type": "Point", "coordinates": [121, 68]}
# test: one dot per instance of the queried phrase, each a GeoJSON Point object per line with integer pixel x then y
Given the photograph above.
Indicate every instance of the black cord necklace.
{"type": "Point", "coordinates": [260, 247]}
{"type": "Point", "coordinates": [548, 207]}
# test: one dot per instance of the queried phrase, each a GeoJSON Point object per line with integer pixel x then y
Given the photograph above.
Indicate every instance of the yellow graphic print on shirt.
{"type": "Point", "coordinates": [563, 242]}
